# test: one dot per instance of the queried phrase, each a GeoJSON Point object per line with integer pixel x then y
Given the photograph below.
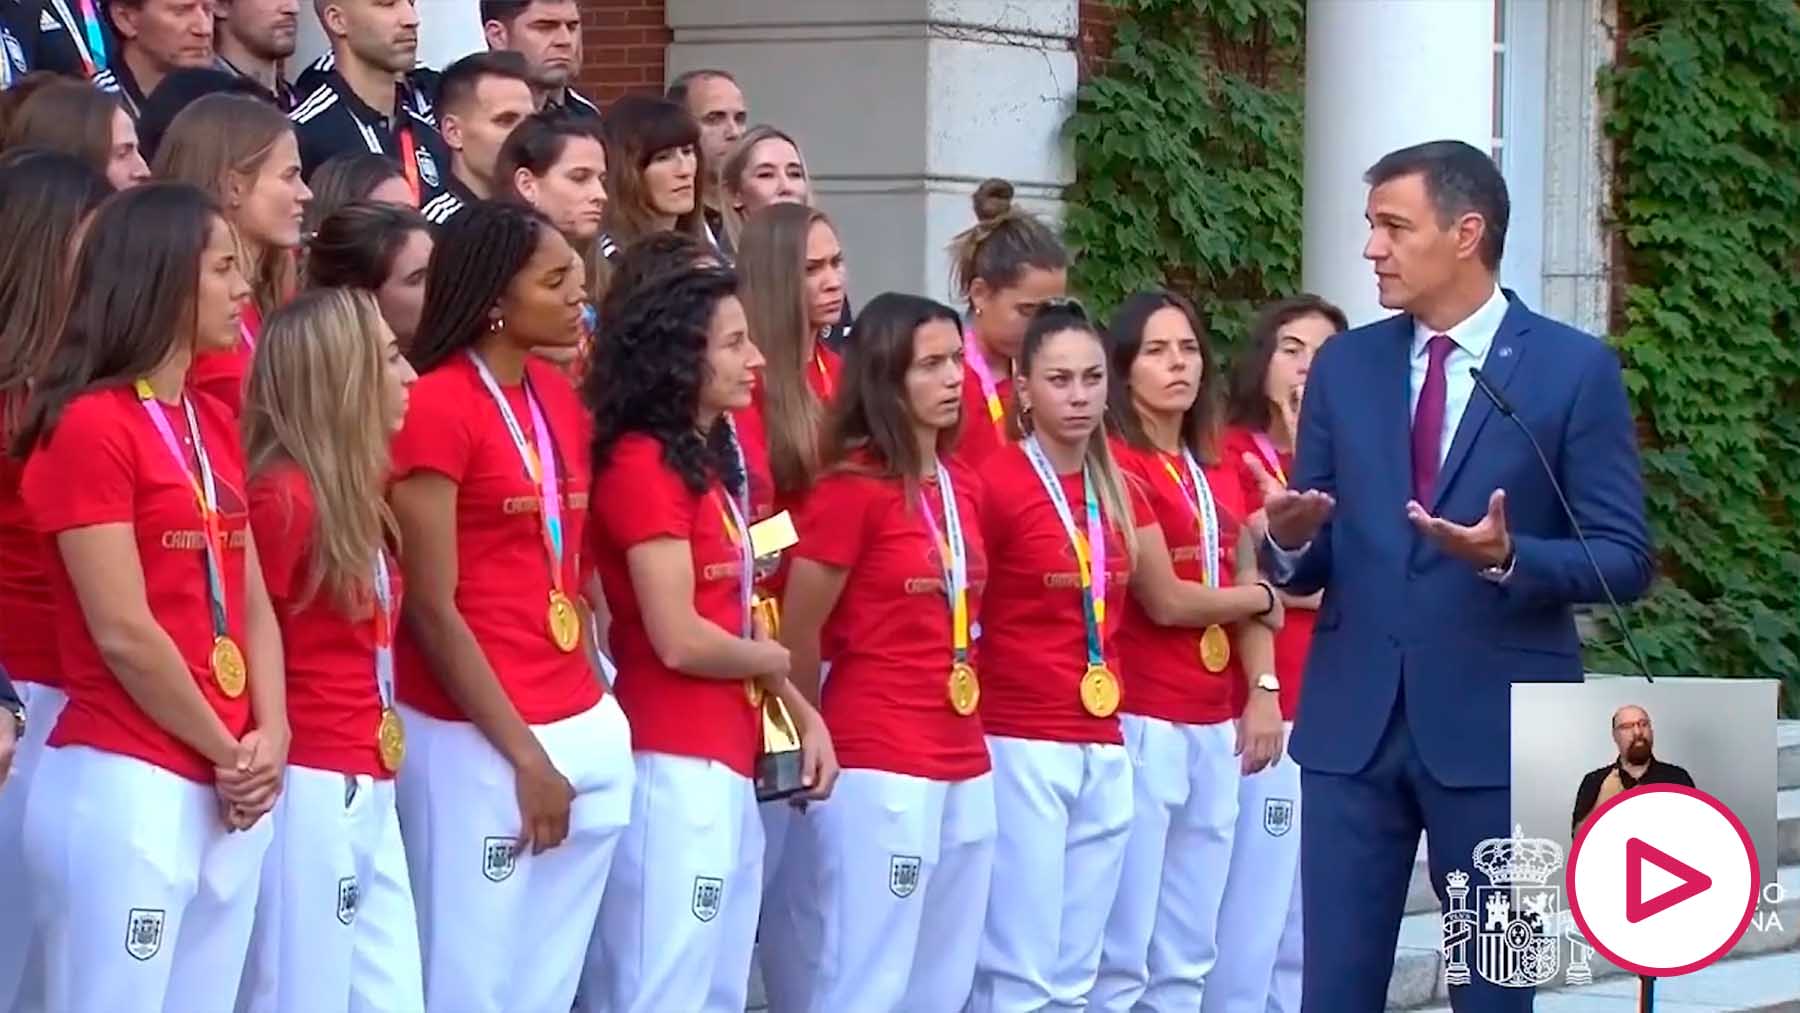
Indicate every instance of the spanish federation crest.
{"type": "Point", "coordinates": [1515, 926]}
{"type": "Point", "coordinates": [499, 856]}
{"type": "Point", "coordinates": [143, 932]}
{"type": "Point", "coordinates": [903, 875]}
{"type": "Point", "coordinates": [428, 168]}
{"type": "Point", "coordinates": [1278, 816]}
{"type": "Point", "coordinates": [347, 896]}
{"type": "Point", "coordinates": [708, 892]}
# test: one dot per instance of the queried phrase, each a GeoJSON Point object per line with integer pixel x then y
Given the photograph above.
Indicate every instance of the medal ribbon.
{"type": "Point", "coordinates": [409, 156]}
{"type": "Point", "coordinates": [384, 632]}
{"type": "Point", "coordinates": [540, 467]}
{"type": "Point", "coordinates": [1270, 456]}
{"type": "Point", "coordinates": [825, 385]}
{"type": "Point", "coordinates": [985, 377]}
{"type": "Point", "coordinates": [739, 533]}
{"type": "Point", "coordinates": [96, 37]}
{"type": "Point", "coordinates": [956, 562]}
{"type": "Point", "coordinates": [89, 23]}
{"type": "Point", "coordinates": [737, 448]}
{"type": "Point", "coordinates": [1090, 552]}
{"type": "Point", "coordinates": [206, 495]}
{"type": "Point", "coordinates": [1206, 512]}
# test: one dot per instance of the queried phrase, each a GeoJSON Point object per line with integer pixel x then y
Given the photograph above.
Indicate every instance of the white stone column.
{"type": "Point", "coordinates": [448, 30]}
{"type": "Point", "coordinates": [1380, 75]}
{"type": "Point", "coordinates": [902, 107]}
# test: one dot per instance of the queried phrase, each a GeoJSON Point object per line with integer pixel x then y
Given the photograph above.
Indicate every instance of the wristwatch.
{"type": "Point", "coordinates": [16, 711]}
{"type": "Point", "coordinates": [1501, 573]}
{"type": "Point", "coordinates": [1268, 682]}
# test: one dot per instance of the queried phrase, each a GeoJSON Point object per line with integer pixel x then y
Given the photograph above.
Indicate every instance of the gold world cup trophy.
{"type": "Point", "coordinates": [778, 769]}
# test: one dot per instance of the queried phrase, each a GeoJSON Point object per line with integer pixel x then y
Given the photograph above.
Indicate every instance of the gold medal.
{"type": "Point", "coordinates": [565, 623]}
{"type": "Point", "coordinates": [228, 667]}
{"type": "Point", "coordinates": [965, 689]}
{"type": "Point", "coordinates": [1100, 691]}
{"type": "Point", "coordinates": [390, 738]}
{"type": "Point", "coordinates": [1215, 648]}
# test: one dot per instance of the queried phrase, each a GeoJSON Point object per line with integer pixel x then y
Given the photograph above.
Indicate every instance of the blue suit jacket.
{"type": "Point", "coordinates": [1396, 609]}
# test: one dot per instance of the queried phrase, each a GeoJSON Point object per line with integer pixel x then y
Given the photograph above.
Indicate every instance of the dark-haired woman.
{"type": "Point", "coordinates": [671, 538]}
{"type": "Point", "coordinates": [654, 175]}
{"type": "Point", "coordinates": [1266, 385]}
{"type": "Point", "coordinates": [1057, 520]}
{"type": "Point", "coordinates": [1005, 266]}
{"type": "Point", "coordinates": [1193, 636]}
{"type": "Point", "coordinates": [513, 745]}
{"type": "Point", "coordinates": [44, 198]}
{"type": "Point", "coordinates": [891, 568]}
{"type": "Point", "coordinates": [78, 119]}
{"type": "Point", "coordinates": [176, 730]}
{"type": "Point", "coordinates": [382, 249]}
{"type": "Point", "coordinates": [335, 926]}
{"type": "Point", "coordinates": [244, 152]}
{"type": "Point", "coordinates": [558, 166]}
{"type": "Point", "coordinates": [355, 177]}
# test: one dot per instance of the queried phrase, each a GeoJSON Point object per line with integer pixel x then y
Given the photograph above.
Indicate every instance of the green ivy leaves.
{"type": "Point", "coordinates": [1705, 119]}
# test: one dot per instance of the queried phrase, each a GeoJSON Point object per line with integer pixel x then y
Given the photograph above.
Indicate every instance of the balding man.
{"type": "Point", "coordinates": [1636, 765]}
{"type": "Point", "coordinates": [716, 102]}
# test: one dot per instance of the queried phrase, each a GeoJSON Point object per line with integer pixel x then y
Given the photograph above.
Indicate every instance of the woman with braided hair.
{"type": "Point", "coordinates": [671, 539]}
{"type": "Point", "coordinates": [513, 743]}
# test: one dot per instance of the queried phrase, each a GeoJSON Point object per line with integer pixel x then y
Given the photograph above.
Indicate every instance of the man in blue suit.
{"type": "Point", "coordinates": [1448, 568]}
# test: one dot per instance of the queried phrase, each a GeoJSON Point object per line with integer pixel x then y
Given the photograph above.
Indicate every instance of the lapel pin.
{"type": "Point", "coordinates": [1505, 351]}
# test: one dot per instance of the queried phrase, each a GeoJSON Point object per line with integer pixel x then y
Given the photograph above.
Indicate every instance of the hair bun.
{"type": "Point", "coordinates": [992, 200]}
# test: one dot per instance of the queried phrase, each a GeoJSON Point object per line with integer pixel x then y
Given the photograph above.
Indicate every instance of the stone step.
{"type": "Point", "coordinates": [1764, 984]}
{"type": "Point", "coordinates": [1418, 963]}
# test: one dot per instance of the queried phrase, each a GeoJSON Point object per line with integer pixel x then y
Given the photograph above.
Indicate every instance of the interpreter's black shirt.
{"type": "Point", "coordinates": [1588, 796]}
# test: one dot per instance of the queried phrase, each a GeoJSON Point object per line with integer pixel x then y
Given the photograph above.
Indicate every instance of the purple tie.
{"type": "Point", "coordinates": [1428, 420]}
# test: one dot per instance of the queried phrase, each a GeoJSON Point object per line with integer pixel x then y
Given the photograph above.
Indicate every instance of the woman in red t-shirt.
{"type": "Point", "coordinates": [890, 569]}
{"type": "Point", "coordinates": [170, 749]}
{"type": "Point", "coordinates": [1194, 633]}
{"type": "Point", "coordinates": [513, 743]}
{"type": "Point", "coordinates": [1006, 265]}
{"type": "Point", "coordinates": [243, 151]}
{"type": "Point", "coordinates": [1258, 961]}
{"type": "Point", "coordinates": [1057, 524]}
{"type": "Point", "coordinates": [671, 540]}
{"type": "Point", "coordinates": [44, 196]}
{"type": "Point", "coordinates": [319, 467]}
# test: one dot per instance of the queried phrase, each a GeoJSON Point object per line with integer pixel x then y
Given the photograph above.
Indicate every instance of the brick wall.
{"type": "Point", "coordinates": [623, 47]}
{"type": "Point", "coordinates": [1094, 42]}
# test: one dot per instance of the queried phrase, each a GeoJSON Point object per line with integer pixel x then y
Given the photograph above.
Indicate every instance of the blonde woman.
{"type": "Point", "coordinates": [243, 152]}
{"type": "Point", "coordinates": [765, 167]}
{"type": "Point", "coordinates": [335, 924]}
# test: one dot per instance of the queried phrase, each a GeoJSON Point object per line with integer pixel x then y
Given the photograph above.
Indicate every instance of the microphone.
{"type": "Point", "coordinates": [1505, 408]}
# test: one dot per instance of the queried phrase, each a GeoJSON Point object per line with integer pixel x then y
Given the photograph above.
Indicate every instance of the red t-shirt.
{"type": "Point", "coordinates": [334, 707]}
{"type": "Point", "coordinates": [223, 373]}
{"type": "Point", "coordinates": [1295, 637]}
{"type": "Point", "coordinates": [981, 436]}
{"type": "Point", "coordinates": [822, 376]}
{"type": "Point", "coordinates": [887, 701]}
{"type": "Point", "coordinates": [106, 464]}
{"type": "Point", "coordinates": [454, 428]}
{"type": "Point", "coordinates": [28, 632]}
{"type": "Point", "coordinates": [1033, 648]}
{"type": "Point", "coordinates": [638, 498]}
{"type": "Point", "coordinates": [1168, 680]}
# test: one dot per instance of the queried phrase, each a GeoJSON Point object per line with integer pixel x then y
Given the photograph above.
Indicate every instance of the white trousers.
{"type": "Point", "coordinates": [21, 949]}
{"type": "Point", "coordinates": [1162, 935]}
{"type": "Point", "coordinates": [500, 930]}
{"type": "Point", "coordinates": [1063, 811]}
{"type": "Point", "coordinates": [144, 898]}
{"type": "Point", "coordinates": [788, 928]}
{"type": "Point", "coordinates": [903, 871]}
{"type": "Point", "coordinates": [1284, 992]}
{"type": "Point", "coordinates": [678, 926]}
{"type": "Point", "coordinates": [1259, 909]}
{"type": "Point", "coordinates": [335, 926]}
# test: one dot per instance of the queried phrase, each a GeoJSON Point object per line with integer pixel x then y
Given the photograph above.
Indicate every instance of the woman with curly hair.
{"type": "Point", "coordinates": [671, 539]}
{"type": "Point", "coordinates": [513, 741]}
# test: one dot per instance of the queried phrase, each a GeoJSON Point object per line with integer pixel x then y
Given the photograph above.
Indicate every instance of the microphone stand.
{"type": "Point", "coordinates": [1646, 993]}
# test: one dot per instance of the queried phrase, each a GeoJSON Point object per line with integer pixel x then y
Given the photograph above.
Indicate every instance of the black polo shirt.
{"type": "Point", "coordinates": [447, 205]}
{"type": "Point", "coordinates": [421, 84]}
{"type": "Point", "coordinates": [283, 96]}
{"type": "Point", "coordinates": [331, 120]}
{"type": "Point", "coordinates": [1588, 796]}
{"type": "Point", "coordinates": [572, 103]}
{"type": "Point", "coordinates": [118, 80]}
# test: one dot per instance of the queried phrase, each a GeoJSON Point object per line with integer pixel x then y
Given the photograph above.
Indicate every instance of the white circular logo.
{"type": "Point", "coordinates": [1663, 880]}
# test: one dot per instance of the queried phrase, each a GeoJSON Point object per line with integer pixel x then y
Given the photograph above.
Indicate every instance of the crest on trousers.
{"type": "Point", "coordinates": [1278, 816]}
{"type": "Point", "coordinates": [708, 892]}
{"type": "Point", "coordinates": [143, 932]}
{"type": "Point", "coordinates": [903, 875]}
{"type": "Point", "coordinates": [499, 856]}
{"type": "Point", "coordinates": [1516, 926]}
{"type": "Point", "coordinates": [348, 895]}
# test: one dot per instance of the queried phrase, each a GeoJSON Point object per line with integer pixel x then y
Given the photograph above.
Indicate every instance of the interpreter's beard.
{"type": "Point", "coordinates": [1638, 751]}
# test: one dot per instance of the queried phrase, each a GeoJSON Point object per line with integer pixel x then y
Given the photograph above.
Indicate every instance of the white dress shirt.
{"type": "Point", "coordinates": [1473, 339]}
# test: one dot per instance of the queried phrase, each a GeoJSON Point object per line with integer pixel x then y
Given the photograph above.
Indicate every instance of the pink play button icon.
{"type": "Point", "coordinates": [1692, 883]}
